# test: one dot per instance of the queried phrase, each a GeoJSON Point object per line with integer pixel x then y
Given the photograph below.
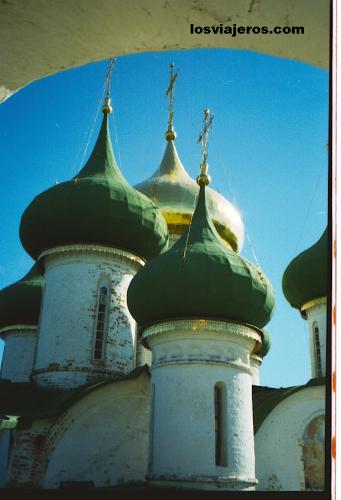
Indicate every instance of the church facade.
{"type": "Point", "coordinates": [133, 345]}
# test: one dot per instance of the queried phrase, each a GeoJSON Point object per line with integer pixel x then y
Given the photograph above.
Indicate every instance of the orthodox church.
{"type": "Point", "coordinates": [133, 345]}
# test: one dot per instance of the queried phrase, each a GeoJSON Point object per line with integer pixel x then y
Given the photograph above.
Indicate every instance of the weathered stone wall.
{"type": "Point", "coordinates": [279, 440]}
{"type": "Point", "coordinates": [102, 438]}
{"type": "Point", "coordinates": [28, 449]}
{"type": "Point", "coordinates": [189, 359]}
{"type": "Point", "coordinates": [68, 318]}
{"type": "Point", "coordinates": [17, 361]}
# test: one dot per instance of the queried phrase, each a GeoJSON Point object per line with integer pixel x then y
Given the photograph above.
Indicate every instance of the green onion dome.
{"type": "Point", "coordinates": [305, 278]}
{"type": "Point", "coordinates": [200, 277]}
{"type": "Point", "coordinates": [20, 302]}
{"type": "Point", "coordinates": [96, 207]}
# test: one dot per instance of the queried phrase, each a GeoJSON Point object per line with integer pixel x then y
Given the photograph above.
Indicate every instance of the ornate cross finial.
{"type": "Point", "coordinates": [203, 178]}
{"type": "Point", "coordinates": [170, 135]}
{"type": "Point", "coordinates": [107, 109]}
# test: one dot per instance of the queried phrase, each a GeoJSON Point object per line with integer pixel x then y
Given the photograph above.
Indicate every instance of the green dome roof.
{"type": "Point", "coordinates": [305, 278]}
{"type": "Point", "coordinates": [97, 206]}
{"type": "Point", "coordinates": [20, 302]}
{"type": "Point", "coordinates": [200, 277]}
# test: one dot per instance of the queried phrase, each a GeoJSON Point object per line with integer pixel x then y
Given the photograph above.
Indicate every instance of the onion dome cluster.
{"type": "Point", "coordinates": [96, 207]}
{"type": "Point", "coordinates": [306, 277]}
{"type": "Point", "coordinates": [20, 302]}
{"type": "Point", "coordinates": [200, 277]}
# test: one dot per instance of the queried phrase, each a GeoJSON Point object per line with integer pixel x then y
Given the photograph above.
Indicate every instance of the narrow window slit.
{"type": "Point", "coordinates": [220, 424]}
{"type": "Point", "coordinates": [101, 323]}
{"type": "Point", "coordinates": [317, 350]}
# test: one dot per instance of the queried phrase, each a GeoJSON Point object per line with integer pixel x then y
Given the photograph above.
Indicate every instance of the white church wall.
{"type": "Point", "coordinates": [65, 348]}
{"type": "Point", "coordinates": [102, 438]}
{"type": "Point", "coordinates": [189, 359]}
{"type": "Point", "coordinates": [317, 317]}
{"type": "Point", "coordinates": [278, 442]}
{"type": "Point", "coordinates": [17, 361]}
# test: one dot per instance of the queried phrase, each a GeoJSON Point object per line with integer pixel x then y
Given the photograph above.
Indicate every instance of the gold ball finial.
{"type": "Point", "coordinates": [203, 178]}
{"type": "Point", "coordinates": [107, 108]}
{"type": "Point", "coordinates": [170, 135]}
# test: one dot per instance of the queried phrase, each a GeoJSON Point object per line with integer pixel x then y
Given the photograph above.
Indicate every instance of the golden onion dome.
{"type": "Point", "coordinates": [175, 193]}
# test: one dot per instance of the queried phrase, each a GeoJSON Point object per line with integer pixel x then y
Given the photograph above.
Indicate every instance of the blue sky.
{"type": "Point", "coordinates": [267, 154]}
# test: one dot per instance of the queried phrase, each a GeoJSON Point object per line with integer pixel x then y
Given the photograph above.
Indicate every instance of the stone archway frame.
{"type": "Point", "coordinates": [40, 38]}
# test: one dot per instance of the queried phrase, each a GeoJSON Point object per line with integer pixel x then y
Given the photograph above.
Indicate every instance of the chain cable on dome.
{"type": "Point", "coordinates": [203, 178]}
{"type": "Point", "coordinates": [105, 92]}
{"type": "Point", "coordinates": [116, 139]}
{"type": "Point", "coordinates": [307, 215]}
{"type": "Point", "coordinates": [235, 202]}
{"type": "Point", "coordinates": [77, 165]}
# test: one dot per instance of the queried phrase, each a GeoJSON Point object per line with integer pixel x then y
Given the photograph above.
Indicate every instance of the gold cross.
{"type": "Point", "coordinates": [169, 92]}
{"type": "Point", "coordinates": [203, 137]}
{"type": "Point", "coordinates": [112, 61]}
{"type": "Point", "coordinates": [106, 108]}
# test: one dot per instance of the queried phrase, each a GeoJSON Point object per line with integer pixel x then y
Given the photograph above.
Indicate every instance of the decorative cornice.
{"type": "Point", "coordinates": [314, 302]}
{"type": "Point", "coordinates": [201, 341]}
{"type": "Point", "coordinates": [87, 249]}
{"type": "Point", "coordinates": [86, 369]}
{"type": "Point", "coordinates": [9, 330]}
{"type": "Point", "coordinates": [204, 360]}
{"type": "Point", "coordinates": [204, 325]}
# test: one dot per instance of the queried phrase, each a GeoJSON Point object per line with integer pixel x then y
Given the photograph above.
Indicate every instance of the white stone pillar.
{"type": "Point", "coordinates": [20, 344]}
{"type": "Point", "coordinates": [69, 321]}
{"type": "Point", "coordinates": [191, 358]}
{"type": "Point", "coordinates": [316, 313]}
{"type": "Point", "coordinates": [255, 364]}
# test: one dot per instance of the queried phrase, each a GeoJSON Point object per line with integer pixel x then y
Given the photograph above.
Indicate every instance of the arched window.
{"type": "Point", "coordinates": [313, 454]}
{"type": "Point", "coordinates": [220, 414]}
{"type": "Point", "coordinates": [317, 349]}
{"type": "Point", "coordinates": [101, 325]}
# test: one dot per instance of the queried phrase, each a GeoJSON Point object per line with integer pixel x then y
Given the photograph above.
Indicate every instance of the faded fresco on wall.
{"type": "Point", "coordinates": [313, 454]}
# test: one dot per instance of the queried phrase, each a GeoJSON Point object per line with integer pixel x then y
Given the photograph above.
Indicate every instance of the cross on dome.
{"type": "Point", "coordinates": [170, 134]}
